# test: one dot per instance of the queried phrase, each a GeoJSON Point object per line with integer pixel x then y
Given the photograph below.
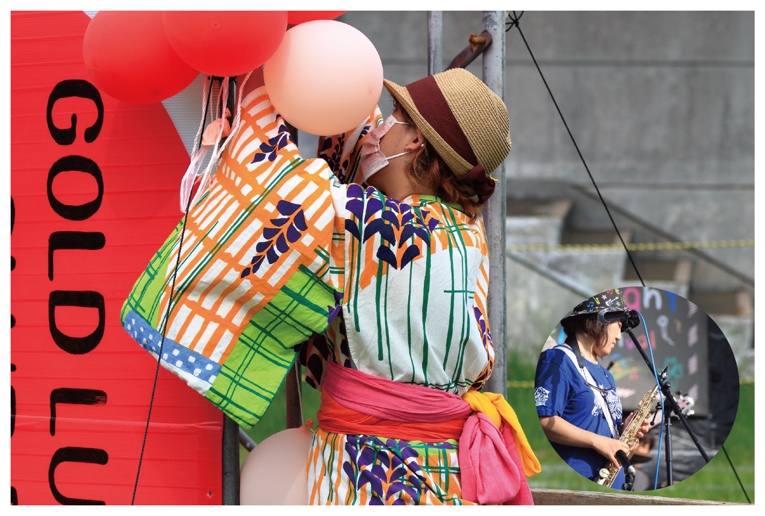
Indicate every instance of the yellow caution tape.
{"type": "Point", "coordinates": [649, 246]}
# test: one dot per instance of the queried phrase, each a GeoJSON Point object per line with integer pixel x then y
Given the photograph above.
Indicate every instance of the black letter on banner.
{"type": "Point", "coordinates": [76, 164]}
{"type": "Point", "coordinates": [81, 298]}
{"type": "Point", "coordinates": [72, 454]}
{"type": "Point", "coordinates": [73, 397]}
{"type": "Point", "coordinates": [14, 494]}
{"type": "Point", "coordinates": [85, 240]}
{"type": "Point", "coordinates": [13, 403]}
{"type": "Point", "coordinates": [13, 219]}
{"type": "Point", "coordinates": [74, 88]}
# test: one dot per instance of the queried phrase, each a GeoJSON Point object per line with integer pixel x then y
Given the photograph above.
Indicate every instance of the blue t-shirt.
{"type": "Point", "coordinates": [561, 390]}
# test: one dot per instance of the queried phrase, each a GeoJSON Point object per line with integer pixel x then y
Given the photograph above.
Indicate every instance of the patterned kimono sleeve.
{"type": "Point", "coordinates": [249, 280]}
{"type": "Point", "coordinates": [342, 151]}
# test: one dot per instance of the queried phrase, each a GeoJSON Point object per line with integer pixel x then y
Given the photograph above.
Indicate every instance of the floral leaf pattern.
{"type": "Point", "coordinates": [401, 228]}
{"type": "Point", "coordinates": [331, 150]}
{"type": "Point", "coordinates": [276, 239]}
{"type": "Point", "coordinates": [270, 150]}
{"type": "Point", "coordinates": [485, 333]}
{"type": "Point", "coordinates": [488, 346]}
{"type": "Point", "coordinates": [387, 470]}
{"type": "Point", "coordinates": [334, 311]}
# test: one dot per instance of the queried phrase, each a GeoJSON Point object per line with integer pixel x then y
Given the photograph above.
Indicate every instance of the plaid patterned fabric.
{"type": "Point", "coordinates": [249, 279]}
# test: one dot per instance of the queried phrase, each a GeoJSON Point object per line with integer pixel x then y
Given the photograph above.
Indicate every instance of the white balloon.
{"type": "Point", "coordinates": [275, 472]}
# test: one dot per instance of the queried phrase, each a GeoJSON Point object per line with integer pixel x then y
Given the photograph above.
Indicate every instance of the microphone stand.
{"type": "Point", "coordinates": [669, 399]}
{"type": "Point", "coordinates": [629, 480]}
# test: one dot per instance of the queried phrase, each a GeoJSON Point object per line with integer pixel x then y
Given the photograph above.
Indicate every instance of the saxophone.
{"type": "Point", "coordinates": [607, 473]}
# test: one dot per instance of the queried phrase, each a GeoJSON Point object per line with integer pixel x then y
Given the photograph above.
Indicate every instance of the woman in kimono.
{"type": "Point", "coordinates": [370, 264]}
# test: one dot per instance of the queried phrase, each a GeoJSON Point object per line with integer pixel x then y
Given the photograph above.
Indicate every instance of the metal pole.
{"type": "Point", "coordinates": [230, 495]}
{"type": "Point", "coordinates": [435, 43]}
{"type": "Point", "coordinates": [292, 386]}
{"type": "Point", "coordinates": [230, 441]}
{"type": "Point", "coordinates": [494, 77]}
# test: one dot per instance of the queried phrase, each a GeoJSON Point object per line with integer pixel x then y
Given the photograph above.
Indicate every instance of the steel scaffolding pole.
{"type": "Point", "coordinates": [435, 42]}
{"type": "Point", "coordinates": [494, 77]}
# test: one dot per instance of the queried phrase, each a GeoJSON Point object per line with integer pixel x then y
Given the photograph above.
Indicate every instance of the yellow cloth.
{"type": "Point", "coordinates": [496, 408]}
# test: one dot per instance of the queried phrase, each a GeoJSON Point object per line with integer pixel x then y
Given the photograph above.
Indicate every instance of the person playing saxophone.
{"type": "Point", "coordinates": [577, 405]}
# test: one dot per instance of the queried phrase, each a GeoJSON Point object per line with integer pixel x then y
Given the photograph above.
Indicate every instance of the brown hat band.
{"type": "Point", "coordinates": [432, 105]}
{"type": "Point", "coordinates": [480, 182]}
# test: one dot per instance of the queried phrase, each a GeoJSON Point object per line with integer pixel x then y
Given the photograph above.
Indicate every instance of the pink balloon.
{"type": "Point", "coordinates": [275, 471]}
{"type": "Point", "coordinates": [128, 56]}
{"type": "Point", "coordinates": [225, 43]}
{"type": "Point", "coordinates": [325, 78]}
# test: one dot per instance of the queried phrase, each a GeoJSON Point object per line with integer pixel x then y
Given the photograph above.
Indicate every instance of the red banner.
{"type": "Point", "coordinates": [94, 193]}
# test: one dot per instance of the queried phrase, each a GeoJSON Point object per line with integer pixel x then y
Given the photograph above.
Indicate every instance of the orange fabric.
{"type": "Point", "coordinates": [334, 417]}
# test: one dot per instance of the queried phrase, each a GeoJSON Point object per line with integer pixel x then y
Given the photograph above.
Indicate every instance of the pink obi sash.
{"type": "Point", "coordinates": [489, 447]}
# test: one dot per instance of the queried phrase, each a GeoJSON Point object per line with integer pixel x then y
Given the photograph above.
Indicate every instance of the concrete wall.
{"type": "Point", "coordinates": [660, 104]}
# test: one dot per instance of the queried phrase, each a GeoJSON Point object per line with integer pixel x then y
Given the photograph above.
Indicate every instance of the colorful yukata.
{"type": "Point", "coordinates": [561, 390]}
{"type": "Point", "coordinates": [282, 256]}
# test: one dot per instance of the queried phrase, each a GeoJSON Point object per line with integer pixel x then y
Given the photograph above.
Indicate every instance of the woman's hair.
{"type": "Point", "coordinates": [588, 325]}
{"type": "Point", "coordinates": [429, 170]}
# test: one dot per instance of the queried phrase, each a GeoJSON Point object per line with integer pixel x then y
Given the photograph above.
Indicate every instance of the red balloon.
{"type": "Point", "coordinates": [296, 17]}
{"type": "Point", "coordinates": [225, 43]}
{"type": "Point", "coordinates": [128, 56]}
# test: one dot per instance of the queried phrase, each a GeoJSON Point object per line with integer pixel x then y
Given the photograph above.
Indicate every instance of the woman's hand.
{"type": "Point", "coordinates": [607, 447]}
{"type": "Point", "coordinates": [560, 431]}
{"type": "Point", "coordinates": [644, 426]}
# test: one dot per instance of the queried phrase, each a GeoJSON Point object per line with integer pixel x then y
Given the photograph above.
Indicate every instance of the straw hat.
{"type": "Point", "coordinates": [461, 117]}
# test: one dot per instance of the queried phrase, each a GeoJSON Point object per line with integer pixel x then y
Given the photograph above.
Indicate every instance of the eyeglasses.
{"type": "Point", "coordinates": [401, 111]}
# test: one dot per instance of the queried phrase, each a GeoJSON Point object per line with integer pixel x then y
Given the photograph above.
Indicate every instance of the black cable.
{"type": "Point", "coordinates": [515, 19]}
{"type": "Point", "coordinates": [735, 473]}
{"type": "Point", "coordinates": [515, 22]}
{"type": "Point", "coordinates": [197, 144]}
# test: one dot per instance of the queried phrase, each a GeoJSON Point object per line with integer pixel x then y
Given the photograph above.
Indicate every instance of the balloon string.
{"type": "Point", "coordinates": [164, 322]}
{"type": "Point", "coordinates": [159, 354]}
{"type": "Point", "coordinates": [218, 147]}
{"type": "Point", "coordinates": [197, 157]}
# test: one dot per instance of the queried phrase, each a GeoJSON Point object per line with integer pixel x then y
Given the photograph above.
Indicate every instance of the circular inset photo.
{"type": "Point", "coordinates": [636, 388]}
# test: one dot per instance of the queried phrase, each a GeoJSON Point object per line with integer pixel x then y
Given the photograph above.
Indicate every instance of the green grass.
{"type": "Point", "coordinates": [716, 481]}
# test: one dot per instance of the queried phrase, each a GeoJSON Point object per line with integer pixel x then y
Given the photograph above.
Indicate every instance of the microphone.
{"type": "Point", "coordinates": [625, 462]}
{"type": "Point", "coordinates": [629, 318]}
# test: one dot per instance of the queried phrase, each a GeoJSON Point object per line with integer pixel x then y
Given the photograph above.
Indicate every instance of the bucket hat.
{"type": "Point", "coordinates": [608, 301]}
{"type": "Point", "coordinates": [463, 119]}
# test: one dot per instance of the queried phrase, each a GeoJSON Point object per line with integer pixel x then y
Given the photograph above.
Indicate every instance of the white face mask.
{"type": "Point", "coordinates": [372, 158]}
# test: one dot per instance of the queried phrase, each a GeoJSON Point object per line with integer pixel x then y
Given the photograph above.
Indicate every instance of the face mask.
{"type": "Point", "coordinates": [372, 158]}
